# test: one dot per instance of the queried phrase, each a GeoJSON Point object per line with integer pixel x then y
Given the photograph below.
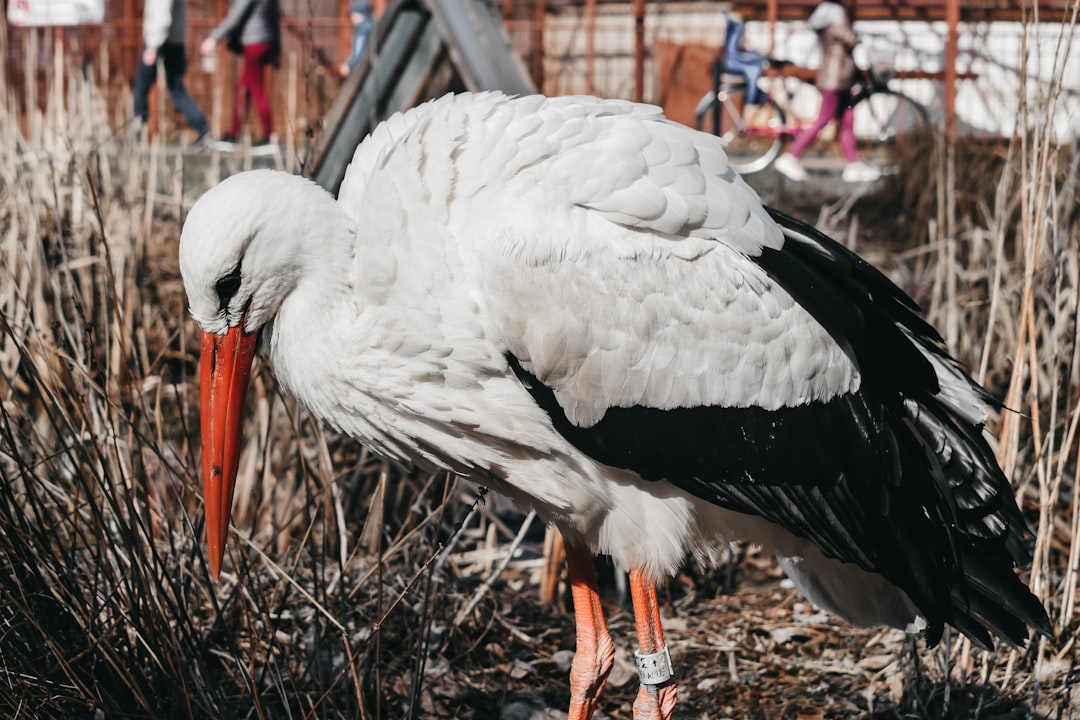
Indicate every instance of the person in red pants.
{"type": "Point", "coordinates": [253, 30]}
{"type": "Point", "coordinates": [831, 20]}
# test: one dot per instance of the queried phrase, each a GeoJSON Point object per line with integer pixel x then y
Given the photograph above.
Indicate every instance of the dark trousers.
{"type": "Point", "coordinates": [172, 55]}
{"type": "Point", "coordinates": [361, 33]}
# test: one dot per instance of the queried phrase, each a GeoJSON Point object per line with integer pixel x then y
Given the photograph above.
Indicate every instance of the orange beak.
{"type": "Point", "coordinates": [226, 369]}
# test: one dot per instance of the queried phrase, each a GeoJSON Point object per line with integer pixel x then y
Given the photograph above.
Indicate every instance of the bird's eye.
{"type": "Point", "coordinates": [227, 286]}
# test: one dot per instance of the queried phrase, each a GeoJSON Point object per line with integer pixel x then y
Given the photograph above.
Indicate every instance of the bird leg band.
{"type": "Point", "coordinates": [654, 668]}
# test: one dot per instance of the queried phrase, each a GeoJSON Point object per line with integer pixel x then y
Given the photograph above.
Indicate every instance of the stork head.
{"type": "Point", "coordinates": [245, 245]}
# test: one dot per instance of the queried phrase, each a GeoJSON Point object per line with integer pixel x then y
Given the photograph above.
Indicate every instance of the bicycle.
{"type": "Point", "coordinates": [755, 131]}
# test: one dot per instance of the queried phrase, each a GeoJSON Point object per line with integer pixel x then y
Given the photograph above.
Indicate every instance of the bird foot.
{"type": "Point", "coordinates": [595, 653]}
{"type": "Point", "coordinates": [588, 673]}
{"type": "Point", "coordinates": [656, 698]}
{"type": "Point", "coordinates": [655, 702]}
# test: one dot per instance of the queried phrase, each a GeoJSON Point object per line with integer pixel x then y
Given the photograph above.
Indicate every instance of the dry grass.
{"type": "Point", "coordinates": [351, 588]}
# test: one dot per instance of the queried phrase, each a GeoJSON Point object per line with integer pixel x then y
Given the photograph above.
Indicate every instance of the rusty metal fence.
{"type": "Point", "coordinates": [35, 61]}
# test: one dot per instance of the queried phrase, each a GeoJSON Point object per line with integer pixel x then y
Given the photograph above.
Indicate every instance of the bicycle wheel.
{"type": "Point", "coordinates": [890, 124]}
{"type": "Point", "coordinates": [754, 136]}
{"type": "Point", "coordinates": [705, 113]}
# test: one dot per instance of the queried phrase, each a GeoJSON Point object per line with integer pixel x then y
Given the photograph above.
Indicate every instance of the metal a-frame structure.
{"type": "Point", "coordinates": [421, 49]}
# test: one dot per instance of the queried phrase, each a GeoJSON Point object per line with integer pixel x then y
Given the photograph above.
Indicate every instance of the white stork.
{"type": "Point", "coordinates": [579, 303]}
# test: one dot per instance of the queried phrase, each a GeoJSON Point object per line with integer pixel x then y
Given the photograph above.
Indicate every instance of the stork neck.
{"type": "Point", "coordinates": [314, 247]}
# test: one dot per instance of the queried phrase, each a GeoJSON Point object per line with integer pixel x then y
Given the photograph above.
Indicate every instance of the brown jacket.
{"type": "Point", "coordinates": [837, 70]}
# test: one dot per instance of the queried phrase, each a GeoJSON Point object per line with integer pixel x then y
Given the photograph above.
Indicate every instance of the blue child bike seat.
{"type": "Point", "coordinates": [737, 61]}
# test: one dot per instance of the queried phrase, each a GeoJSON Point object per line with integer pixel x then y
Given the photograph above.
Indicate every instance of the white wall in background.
{"type": "Point", "coordinates": [32, 13]}
{"type": "Point", "coordinates": [987, 105]}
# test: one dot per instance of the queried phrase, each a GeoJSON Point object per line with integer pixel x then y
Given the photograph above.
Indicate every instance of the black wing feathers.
{"type": "Point", "coordinates": [949, 475]}
{"type": "Point", "coordinates": [836, 286]}
{"type": "Point", "coordinates": [889, 477]}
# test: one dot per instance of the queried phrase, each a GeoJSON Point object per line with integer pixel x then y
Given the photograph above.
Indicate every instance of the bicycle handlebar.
{"type": "Point", "coordinates": [780, 63]}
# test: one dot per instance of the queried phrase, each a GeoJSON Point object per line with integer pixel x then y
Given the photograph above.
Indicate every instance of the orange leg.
{"type": "Point", "coordinates": [595, 652]}
{"type": "Point", "coordinates": [656, 698]}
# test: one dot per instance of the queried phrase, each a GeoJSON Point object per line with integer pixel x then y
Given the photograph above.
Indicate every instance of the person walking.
{"type": "Point", "coordinates": [253, 29]}
{"type": "Point", "coordinates": [831, 20]}
{"type": "Point", "coordinates": [164, 34]}
{"type": "Point", "coordinates": [362, 15]}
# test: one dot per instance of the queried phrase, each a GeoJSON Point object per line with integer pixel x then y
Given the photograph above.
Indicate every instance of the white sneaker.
{"type": "Point", "coordinates": [860, 172]}
{"type": "Point", "coordinates": [789, 166]}
{"type": "Point", "coordinates": [264, 147]}
{"type": "Point", "coordinates": [224, 145]}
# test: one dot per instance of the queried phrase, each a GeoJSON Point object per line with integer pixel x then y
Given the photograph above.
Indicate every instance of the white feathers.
{"type": "Point", "coordinates": [257, 222]}
{"type": "Point", "coordinates": [862, 598]}
{"type": "Point", "coordinates": [607, 249]}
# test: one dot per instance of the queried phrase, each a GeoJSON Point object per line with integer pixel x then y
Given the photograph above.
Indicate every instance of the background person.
{"type": "Point", "coordinates": [253, 29]}
{"type": "Point", "coordinates": [831, 20]}
{"type": "Point", "coordinates": [362, 15]}
{"type": "Point", "coordinates": [164, 34]}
